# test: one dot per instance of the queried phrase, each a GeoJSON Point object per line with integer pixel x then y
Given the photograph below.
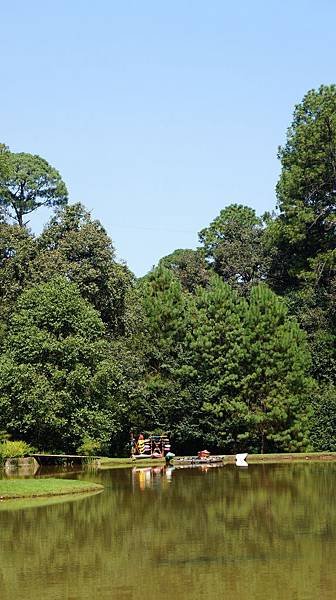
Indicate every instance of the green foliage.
{"type": "Point", "coordinates": [17, 251]}
{"type": "Point", "coordinates": [201, 346]}
{"type": "Point", "coordinates": [275, 384]}
{"type": "Point", "coordinates": [78, 247]}
{"type": "Point", "coordinates": [4, 169]}
{"type": "Point", "coordinates": [89, 447]}
{"type": "Point", "coordinates": [307, 187]}
{"type": "Point", "coordinates": [189, 267]}
{"type": "Point", "coordinates": [303, 237]}
{"type": "Point", "coordinates": [52, 370]}
{"type": "Point", "coordinates": [4, 172]}
{"type": "Point", "coordinates": [233, 246]}
{"type": "Point", "coordinates": [251, 362]}
{"type": "Point", "coordinates": [165, 306]}
{"type": "Point", "coordinates": [313, 307]}
{"type": "Point", "coordinates": [14, 449]}
{"type": "Point", "coordinates": [4, 436]}
{"type": "Point", "coordinates": [224, 371]}
{"type": "Point", "coordinates": [323, 419]}
{"type": "Point", "coordinates": [211, 366]}
{"type": "Point", "coordinates": [165, 309]}
{"type": "Point", "coordinates": [28, 182]}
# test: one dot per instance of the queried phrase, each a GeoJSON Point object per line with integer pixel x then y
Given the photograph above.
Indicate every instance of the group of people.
{"type": "Point", "coordinates": [155, 446]}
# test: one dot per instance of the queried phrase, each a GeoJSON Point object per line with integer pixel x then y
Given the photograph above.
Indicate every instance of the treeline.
{"type": "Point", "coordinates": [230, 346]}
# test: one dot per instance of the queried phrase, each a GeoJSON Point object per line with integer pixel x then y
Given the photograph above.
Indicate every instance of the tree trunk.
{"type": "Point", "coordinates": [19, 214]}
{"type": "Point", "coordinates": [262, 448]}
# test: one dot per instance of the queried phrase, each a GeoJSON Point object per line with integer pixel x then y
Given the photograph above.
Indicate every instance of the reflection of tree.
{"type": "Point", "coordinates": [268, 531]}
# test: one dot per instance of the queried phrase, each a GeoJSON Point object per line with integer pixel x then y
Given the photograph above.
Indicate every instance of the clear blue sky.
{"type": "Point", "coordinates": [158, 114]}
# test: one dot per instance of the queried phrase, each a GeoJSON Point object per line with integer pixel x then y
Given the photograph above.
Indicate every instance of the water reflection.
{"type": "Point", "coordinates": [264, 532]}
{"type": "Point", "coordinates": [151, 477]}
{"type": "Point", "coordinates": [33, 503]}
{"type": "Point", "coordinates": [158, 477]}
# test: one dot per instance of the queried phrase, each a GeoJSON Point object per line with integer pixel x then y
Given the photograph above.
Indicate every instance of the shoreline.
{"type": "Point", "coordinates": [227, 459]}
{"type": "Point", "coordinates": [287, 457]}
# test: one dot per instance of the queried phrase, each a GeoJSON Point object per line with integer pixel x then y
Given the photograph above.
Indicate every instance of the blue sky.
{"type": "Point", "coordinates": [159, 114]}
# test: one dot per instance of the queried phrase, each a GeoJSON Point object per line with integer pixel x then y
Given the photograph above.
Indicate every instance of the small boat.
{"type": "Point", "coordinates": [143, 456]}
{"type": "Point", "coordinates": [241, 460]}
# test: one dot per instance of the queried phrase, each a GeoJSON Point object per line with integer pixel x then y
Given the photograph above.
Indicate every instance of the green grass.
{"type": "Point", "coordinates": [106, 460]}
{"type": "Point", "coordinates": [33, 488]}
{"type": "Point", "coordinates": [290, 456]}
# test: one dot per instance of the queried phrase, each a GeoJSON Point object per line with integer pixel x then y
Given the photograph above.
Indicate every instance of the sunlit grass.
{"type": "Point", "coordinates": [31, 488]}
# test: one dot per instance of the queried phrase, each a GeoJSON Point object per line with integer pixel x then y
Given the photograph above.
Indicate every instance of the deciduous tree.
{"type": "Point", "coordinates": [27, 182]}
{"type": "Point", "coordinates": [77, 246]}
{"type": "Point", "coordinates": [59, 382]}
{"type": "Point", "coordinates": [190, 268]}
{"type": "Point", "coordinates": [233, 246]}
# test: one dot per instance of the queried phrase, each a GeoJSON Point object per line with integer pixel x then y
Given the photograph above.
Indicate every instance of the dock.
{"type": "Point", "coordinates": [63, 459]}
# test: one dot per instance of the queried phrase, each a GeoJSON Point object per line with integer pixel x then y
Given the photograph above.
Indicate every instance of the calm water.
{"type": "Point", "coordinates": [267, 532]}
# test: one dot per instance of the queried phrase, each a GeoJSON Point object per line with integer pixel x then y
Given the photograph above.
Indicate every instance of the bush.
{"type": "Point", "coordinates": [4, 436]}
{"type": "Point", "coordinates": [323, 422]}
{"type": "Point", "coordinates": [89, 447]}
{"type": "Point", "coordinates": [14, 449]}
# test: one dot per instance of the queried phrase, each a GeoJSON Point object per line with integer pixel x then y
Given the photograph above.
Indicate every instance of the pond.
{"type": "Point", "coordinates": [266, 532]}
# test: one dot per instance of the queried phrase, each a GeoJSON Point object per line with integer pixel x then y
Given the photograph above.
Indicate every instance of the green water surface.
{"type": "Point", "coordinates": [266, 532]}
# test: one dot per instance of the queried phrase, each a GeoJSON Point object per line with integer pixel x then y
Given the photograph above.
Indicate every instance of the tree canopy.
{"type": "Point", "coordinates": [231, 346]}
{"type": "Point", "coordinates": [304, 234]}
{"type": "Point", "coordinates": [306, 190]}
{"type": "Point", "coordinates": [78, 247]}
{"type": "Point", "coordinates": [233, 246]}
{"type": "Point", "coordinates": [189, 266]}
{"type": "Point", "coordinates": [27, 182]}
{"type": "Point", "coordinates": [59, 380]}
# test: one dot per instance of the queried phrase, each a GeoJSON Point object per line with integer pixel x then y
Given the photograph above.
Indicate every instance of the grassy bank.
{"type": "Point", "coordinates": [227, 458]}
{"type": "Point", "coordinates": [34, 488]}
{"type": "Point", "coordinates": [288, 457]}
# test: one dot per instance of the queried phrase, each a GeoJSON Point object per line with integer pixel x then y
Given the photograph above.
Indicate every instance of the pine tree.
{"type": "Point", "coordinates": [215, 347]}
{"type": "Point", "coordinates": [274, 381]}
{"type": "Point", "coordinates": [250, 361]}
{"type": "Point", "coordinates": [164, 401]}
{"type": "Point", "coordinates": [302, 240]}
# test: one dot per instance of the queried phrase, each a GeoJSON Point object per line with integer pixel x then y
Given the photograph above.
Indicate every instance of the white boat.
{"type": "Point", "coordinates": [241, 460]}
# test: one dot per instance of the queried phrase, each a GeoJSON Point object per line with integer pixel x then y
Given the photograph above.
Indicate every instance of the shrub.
{"type": "Point", "coordinates": [89, 447]}
{"type": "Point", "coordinates": [4, 436]}
{"type": "Point", "coordinates": [14, 449]}
{"type": "Point", "coordinates": [323, 422]}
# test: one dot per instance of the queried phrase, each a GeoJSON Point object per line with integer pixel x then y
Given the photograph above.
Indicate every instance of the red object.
{"type": "Point", "coordinates": [203, 454]}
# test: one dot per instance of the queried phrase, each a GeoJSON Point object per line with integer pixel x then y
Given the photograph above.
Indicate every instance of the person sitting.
{"type": "Point", "coordinates": [141, 444]}
{"type": "Point", "coordinates": [169, 457]}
